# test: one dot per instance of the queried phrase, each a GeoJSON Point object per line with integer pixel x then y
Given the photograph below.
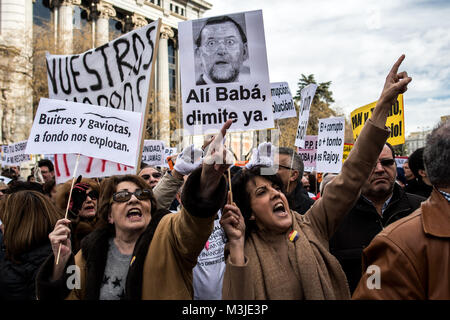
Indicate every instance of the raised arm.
{"type": "Point", "coordinates": [342, 193]}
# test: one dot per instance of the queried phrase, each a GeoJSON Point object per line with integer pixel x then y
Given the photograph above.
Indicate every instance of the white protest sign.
{"type": "Point", "coordinates": [224, 73]}
{"type": "Point", "coordinates": [14, 154]}
{"type": "Point", "coordinates": [330, 144]}
{"type": "Point", "coordinates": [6, 180]}
{"type": "Point", "coordinates": [309, 153]}
{"type": "Point", "coordinates": [153, 152]}
{"type": "Point", "coordinates": [88, 167]}
{"type": "Point", "coordinates": [116, 74]}
{"type": "Point", "coordinates": [167, 153]}
{"type": "Point", "coordinates": [400, 161]}
{"type": "Point", "coordinates": [306, 96]}
{"type": "Point", "coordinates": [282, 103]}
{"type": "Point", "coordinates": [69, 127]}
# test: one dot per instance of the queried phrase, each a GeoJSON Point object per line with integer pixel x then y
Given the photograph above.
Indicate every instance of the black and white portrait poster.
{"type": "Point", "coordinates": [224, 73]}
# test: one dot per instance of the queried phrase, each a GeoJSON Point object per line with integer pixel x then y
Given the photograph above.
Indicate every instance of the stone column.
{"type": "Point", "coordinates": [101, 12]}
{"type": "Point", "coordinates": [65, 24]}
{"type": "Point", "coordinates": [163, 94]}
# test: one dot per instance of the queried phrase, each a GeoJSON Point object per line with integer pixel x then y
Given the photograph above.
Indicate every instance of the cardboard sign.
{"type": "Point", "coordinates": [224, 73]}
{"type": "Point", "coordinates": [168, 152]}
{"type": "Point", "coordinates": [282, 103]}
{"type": "Point", "coordinates": [330, 144]}
{"type": "Point", "coordinates": [116, 74]}
{"type": "Point", "coordinates": [153, 152]}
{"type": "Point", "coordinates": [69, 127]}
{"type": "Point", "coordinates": [14, 154]}
{"type": "Point", "coordinates": [309, 153]}
{"type": "Point", "coordinates": [306, 95]}
{"type": "Point", "coordinates": [395, 120]}
{"type": "Point", "coordinates": [88, 167]}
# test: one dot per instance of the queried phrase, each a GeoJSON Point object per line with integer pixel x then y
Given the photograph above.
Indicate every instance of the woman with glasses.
{"type": "Point", "coordinates": [137, 251]}
{"type": "Point", "coordinates": [82, 208]}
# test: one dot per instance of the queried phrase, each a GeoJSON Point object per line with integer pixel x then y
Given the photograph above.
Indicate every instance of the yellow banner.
{"type": "Point", "coordinates": [395, 120]}
{"type": "Point", "coordinates": [347, 148]}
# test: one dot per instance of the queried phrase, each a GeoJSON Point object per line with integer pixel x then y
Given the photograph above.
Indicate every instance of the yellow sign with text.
{"type": "Point", "coordinates": [347, 148]}
{"type": "Point", "coordinates": [395, 120]}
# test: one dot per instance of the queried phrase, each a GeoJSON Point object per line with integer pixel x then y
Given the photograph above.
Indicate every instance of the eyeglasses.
{"type": "Point", "coordinates": [386, 162]}
{"type": "Point", "coordinates": [92, 194]}
{"type": "Point", "coordinates": [123, 196]}
{"type": "Point", "coordinates": [155, 175]}
{"type": "Point", "coordinates": [213, 44]}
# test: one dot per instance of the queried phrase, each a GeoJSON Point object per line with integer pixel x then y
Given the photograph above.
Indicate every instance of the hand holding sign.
{"type": "Point", "coordinates": [216, 161]}
{"type": "Point", "coordinates": [396, 83]}
{"type": "Point", "coordinates": [263, 156]}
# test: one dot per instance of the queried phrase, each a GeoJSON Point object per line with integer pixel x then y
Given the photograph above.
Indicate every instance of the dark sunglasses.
{"type": "Point", "coordinates": [285, 167]}
{"type": "Point", "coordinates": [155, 175]}
{"type": "Point", "coordinates": [386, 162]}
{"type": "Point", "coordinates": [93, 195]}
{"type": "Point", "coordinates": [123, 196]}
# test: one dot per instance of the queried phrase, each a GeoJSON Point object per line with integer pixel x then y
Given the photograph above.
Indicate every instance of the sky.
{"type": "Point", "coordinates": [354, 44]}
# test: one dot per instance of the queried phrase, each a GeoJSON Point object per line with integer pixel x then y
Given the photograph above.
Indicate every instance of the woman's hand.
{"type": "Point", "coordinates": [396, 83]}
{"type": "Point", "coordinates": [233, 223]}
{"type": "Point", "coordinates": [60, 236]}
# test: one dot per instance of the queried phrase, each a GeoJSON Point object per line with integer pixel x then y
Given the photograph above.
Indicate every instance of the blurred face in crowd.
{"type": "Point", "coordinates": [222, 51]}
{"type": "Point", "coordinates": [270, 208]}
{"type": "Point", "coordinates": [151, 176]}
{"type": "Point", "coordinates": [284, 172]}
{"type": "Point", "coordinates": [89, 207]}
{"type": "Point", "coordinates": [409, 175]}
{"type": "Point", "coordinates": [46, 173]}
{"type": "Point", "coordinates": [305, 181]}
{"type": "Point", "coordinates": [130, 214]}
{"type": "Point", "coordinates": [382, 179]}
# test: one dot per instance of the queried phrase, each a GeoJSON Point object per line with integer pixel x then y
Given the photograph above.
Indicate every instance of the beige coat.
{"type": "Point", "coordinates": [321, 276]}
{"type": "Point", "coordinates": [412, 254]}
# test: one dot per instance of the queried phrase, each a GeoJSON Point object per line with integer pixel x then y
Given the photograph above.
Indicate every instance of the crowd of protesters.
{"type": "Point", "coordinates": [263, 231]}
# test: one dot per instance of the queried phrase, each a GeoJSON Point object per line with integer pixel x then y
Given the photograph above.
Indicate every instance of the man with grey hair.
{"type": "Point", "coordinates": [290, 171]}
{"type": "Point", "coordinates": [410, 259]}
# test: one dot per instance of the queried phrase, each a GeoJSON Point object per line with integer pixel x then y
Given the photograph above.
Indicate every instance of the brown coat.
{"type": "Point", "coordinates": [413, 255]}
{"type": "Point", "coordinates": [320, 275]}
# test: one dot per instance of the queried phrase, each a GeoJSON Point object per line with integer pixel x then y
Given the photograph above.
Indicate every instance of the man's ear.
{"type": "Point", "coordinates": [294, 175]}
{"type": "Point", "coordinates": [422, 173]}
{"type": "Point", "coordinates": [245, 52]}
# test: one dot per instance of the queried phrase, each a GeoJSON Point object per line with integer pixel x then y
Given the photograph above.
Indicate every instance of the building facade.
{"type": "Point", "coordinates": [95, 22]}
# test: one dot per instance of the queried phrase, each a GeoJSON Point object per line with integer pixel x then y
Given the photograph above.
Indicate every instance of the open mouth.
{"type": "Point", "coordinates": [279, 209]}
{"type": "Point", "coordinates": [221, 62]}
{"type": "Point", "coordinates": [134, 214]}
{"type": "Point", "coordinates": [89, 207]}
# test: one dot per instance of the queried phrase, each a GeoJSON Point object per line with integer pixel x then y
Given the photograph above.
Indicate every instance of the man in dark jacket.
{"type": "Point", "coordinates": [297, 195]}
{"type": "Point", "coordinates": [382, 202]}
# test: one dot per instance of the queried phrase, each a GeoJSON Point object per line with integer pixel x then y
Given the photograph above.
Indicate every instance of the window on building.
{"type": "Point", "coordinates": [172, 70]}
{"type": "Point", "coordinates": [42, 13]}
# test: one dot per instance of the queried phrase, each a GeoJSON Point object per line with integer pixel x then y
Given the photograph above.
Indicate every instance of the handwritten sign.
{"type": "Point", "coordinates": [224, 73]}
{"type": "Point", "coordinates": [69, 127]}
{"type": "Point", "coordinates": [167, 153]}
{"type": "Point", "coordinates": [309, 153]}
{"type": "Point", "coordinates": [347, 148]}
{"type": "Point", "coordinates": [330, 144]}
{"type": "Point", "coordinates": [306, 95]}
{"type": "Point", "coordinates": [153, 152]}
{"type": "Point", "coordinates": [14, 154]}
{"type": "Point", "coordinates": [282, 103]}
{"type": "Point", "coordinates": [395, 120]}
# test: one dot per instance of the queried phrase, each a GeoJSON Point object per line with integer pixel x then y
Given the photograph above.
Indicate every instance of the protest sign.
{"type": "Point", "coordinates": [309, 153]}
{"type": "Point", "coordinates": [224, 73]}
{"type": "Point", "coordinates": [330, 144]}
{"type": "Point", "coordinates": [153, 152]}
{"type": "Point", "coordinates": [282, 103]}
{"type": "Point", "coordinates": [347, 148]}
{"type": "Point", "coordinates": [14, 154]}
{"type": "Point", "coordinates": [306, 96]}
{"type": "Point", "coordinates": [167, 153]}
{"type": "Point", "coordinates": [88, 167]}
{"type": "Point", "coordinates": [400, 161]}
{"type": "Point", "coordinates": [395, 120]}
{"type": "Point", "coordinates": [117, 74]}
{"type": "Point", "coordinates": [69, 127]}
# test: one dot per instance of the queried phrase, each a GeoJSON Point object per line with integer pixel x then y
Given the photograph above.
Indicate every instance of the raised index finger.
{"type": "Point", "coordinates": [397, 64]}
{"type": "Point", "coordinates": [225, 127]}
